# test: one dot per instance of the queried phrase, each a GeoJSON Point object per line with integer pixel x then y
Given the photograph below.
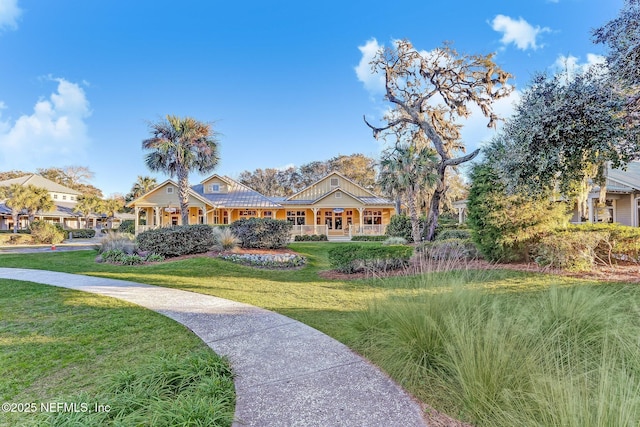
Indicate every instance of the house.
{"type": "Point", "coordinates": [622, 200]}
{"type": "Point", "coordinates": [64, 198]}
{"type": "Point", "coordinates": [334, 205]}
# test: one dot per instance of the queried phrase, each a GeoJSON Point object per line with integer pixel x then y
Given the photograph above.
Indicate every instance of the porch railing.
{"type": "Point", "coordinates": [302, 230]}
{"type": "Point", "coordinates": [369, 230]}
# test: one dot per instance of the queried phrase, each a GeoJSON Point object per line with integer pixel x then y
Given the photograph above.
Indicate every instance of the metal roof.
{"type": "Point", "coordinates": [238, 196]}
{"type": "Point", "coordinates": [41, 182]}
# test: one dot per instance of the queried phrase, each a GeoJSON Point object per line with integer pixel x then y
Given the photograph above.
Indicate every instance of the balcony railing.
{"type": "Point", "coordinates": [302, 230]}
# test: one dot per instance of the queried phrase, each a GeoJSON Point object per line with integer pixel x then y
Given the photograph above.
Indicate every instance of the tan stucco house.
{"type": "Point", "coordinates": [334, 205]}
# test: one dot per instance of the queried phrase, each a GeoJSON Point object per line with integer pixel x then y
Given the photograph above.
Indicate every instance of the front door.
{"type": "Point", "coordinates": [175, 219]}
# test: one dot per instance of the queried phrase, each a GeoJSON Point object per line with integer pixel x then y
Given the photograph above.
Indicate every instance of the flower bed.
{"type": "Point", "coordinates": [281, 260]}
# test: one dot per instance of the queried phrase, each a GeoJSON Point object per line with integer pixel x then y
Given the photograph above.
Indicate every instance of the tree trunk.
{"type": "Point", "coordinates": [398, 205]}
{"type": "Point", "coordinates": [434, 207]}
{"type": "Point", "coordinates": [183, 194]}
{"type": "Point", "coordinates": [413, 214]}
{"type": "Point", "coordinates": [16, 217]}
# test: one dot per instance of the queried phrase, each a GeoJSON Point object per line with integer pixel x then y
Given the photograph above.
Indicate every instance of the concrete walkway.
{"type": "Point", "coordinates": [287, 373]}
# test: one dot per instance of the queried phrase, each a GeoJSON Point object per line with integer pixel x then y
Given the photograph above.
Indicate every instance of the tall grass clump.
{"type": "Point", "coordinates": [224, 239]}
{"type": "Point", "coordinates": [117, 241]}
{"type": "Point", "coordinates": [562, 356]}
{"type": "Point", "coordinates": [196, 390]}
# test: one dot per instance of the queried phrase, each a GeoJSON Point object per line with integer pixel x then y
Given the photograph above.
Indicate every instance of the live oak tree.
{"type": "Point", "coordinates": [429, 92]}
{"type": "Point", "coordinates": [180, 145]}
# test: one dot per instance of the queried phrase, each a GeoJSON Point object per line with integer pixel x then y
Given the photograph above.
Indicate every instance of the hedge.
{"type": "Point", "coordinates": [127, 226]}
{"type": "Point", "coordinates": [262, 233]}
{"type": "Point", "coordinates": [369, 238]}
{"type": "Point", "coordinates": [311, 238]}
{"type": "Point", "coordinates": [454, 248]}
{"type": "Point", "coordinates": [80, 233]}
{"type": "Point", "coordinates": [350, 258]}
{"type": "Point", "coordinates": [176, 241]}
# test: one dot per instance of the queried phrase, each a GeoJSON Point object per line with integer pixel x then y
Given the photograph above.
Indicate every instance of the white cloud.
{"type": "Point", "coordinates": [54, 134]}
{"type": "Point", "coordinates": [518, 32]}
{"type": "Point", "coordinates": [569, 64]}
{"type": "Point", "coordinates": [9, 14]}
{"type": "Point", "coordinates": [373, 82]}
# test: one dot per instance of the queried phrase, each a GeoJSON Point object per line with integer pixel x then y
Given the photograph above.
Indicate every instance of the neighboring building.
{"type": "Point", "coordinates": [622, 200]}
{"type": "Point", "coordinates": [334, 205]}
{"type": "Point", "coordinates": [64, 198]}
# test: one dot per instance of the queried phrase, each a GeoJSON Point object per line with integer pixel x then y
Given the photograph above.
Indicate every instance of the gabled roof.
{"type": "Point", "coordinates": [237, 196]}
{"type": "Point", "coordinates": [327, 176]}
{"type": "Point", "coordinates": [41, 182]}
{"type": "Point", "coordinates": [158, 187]}
{"type": "Point", "coordinates": [627, 178]}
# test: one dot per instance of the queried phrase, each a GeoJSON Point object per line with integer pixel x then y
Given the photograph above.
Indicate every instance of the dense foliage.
{"type": "Point", "coordinates": [44, 232]}
{"type": "Point", "coordinates": [127, 226]}
{"type": "Point", "coordinates": [311, 238]}
{"type": "Point", "coordinates": [178, 240]}
{"type": "Point", "coordinates": [507, 226]}
{"type": "Point", "coordinates": [350, 258]}
{"type": "Point", "coordinates": [262, 233]}
{"type": "Point", "coordinates": [368, 238]}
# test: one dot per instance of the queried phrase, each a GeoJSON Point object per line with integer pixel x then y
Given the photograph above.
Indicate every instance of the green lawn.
{"type": "Point", "coordinates": [60, 345]}
{"type": "Point", "coordinates": [444, 336]}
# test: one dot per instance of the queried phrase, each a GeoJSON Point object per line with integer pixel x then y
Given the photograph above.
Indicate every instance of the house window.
{"type": "Point", "coordinates": [247, 214]}
{"type": "Point", "coordinates": [338, 195]}
{"type": "Point", "coordinates": [267, 214]}
{"type": "Point", "coordinates": [216, 216]}
{"type": "Point", "coordinates": [214, 188]}
{"type": "Point", "coordinates": [72, 197]}
{"type": "Point", "coordinates": [372, 217]}
{"type": "Point", "coordinates": [606, 212]}
{"type": "Point", "coordinates": [55, 197]}
{"type": "Point", "coordinates": [334, 182]}
{"type": "Point", "coordinates": [296, 217]}
{"type": "Point", "coordinates": [64, 197]}
{"type": "Point", "coordinates": [169, 190]}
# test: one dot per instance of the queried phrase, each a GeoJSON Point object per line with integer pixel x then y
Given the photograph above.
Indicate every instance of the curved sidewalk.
{"type": "Point", "coordinates": [287, 373]}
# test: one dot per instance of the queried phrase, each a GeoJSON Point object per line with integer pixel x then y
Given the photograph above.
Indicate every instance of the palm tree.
{"type": "Point", "coordinates": [87, 204]}
{"type": "Point", "coordinates": [109, 207]}
{"type": "Point", "coordinates": [406, 170]}
{"type": "Point", "coordinates": [180, 145]}
{"type": "Point", "coordinates": [143, 185]}
{"type": "Point", "coordinates": [16, 198]}
{"type": "Point", "coordinates": [38, 200]}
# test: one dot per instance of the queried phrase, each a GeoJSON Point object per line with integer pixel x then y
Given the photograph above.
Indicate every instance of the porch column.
{"type": "Point", "coordinates": [592, 213]}
{"type": "Point", "coordinates": [137, 210]}
{"type": "Point", "coordinates": [259, 213]}
{"type": "Point", "coordinates": [315, 220]}
{"type": "Point", "coordinates": [229, 211]}
{"type": "Point", "coordinates": [361, 212]}
{"type": "Point", "coordinates": [460, 216]}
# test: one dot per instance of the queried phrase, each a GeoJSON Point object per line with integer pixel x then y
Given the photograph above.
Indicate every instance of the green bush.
{"type": "Point", "coordinates": [44, 232]}
{"type": "Point", "coordinates": [127, 226]}
{"type": "Point", "coordinates": [262, 233]}
{"type": "Point", "coordinates": [311, 238]}
{"type": "Point", "coordinates": [395, 241]}
{"type": "Point", "coordinates": [569, 250]}
{"type": "Point", "coordinates": [400, 226]}
{"type": "Point", "coordinates": [176, 241]}
{"type": "Point", "coordinates": [365, 238]}
{"type": "Point", "coordinates": [350, 258]}
{"type": "Point", "coordinates": [82, 233]}
{"type": "Point", "coordinates": [453, 233]}
{"type": "Point", "coordinates": [623, 242]}
{"type": "Point", "coordinates": [453, 249]}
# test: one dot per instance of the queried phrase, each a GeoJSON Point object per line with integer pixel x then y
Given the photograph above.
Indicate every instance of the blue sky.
{"type": "Point", "coordinates": [284, 82]}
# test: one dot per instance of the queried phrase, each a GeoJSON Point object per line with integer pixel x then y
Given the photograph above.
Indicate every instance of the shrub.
{"type": "Point", "coordinates": [311, 238]}
{"type": "Point", "coordinates": [395, 241]}
{"type": "Point", "coordinates": [118, 241]}
{"type": "Point", "coordinates": [400, 226]}
{"type": "Point", "coordinates": [570, 250]}
{"type": "Point", "coordinates": [349, 258]}
{"type": "Point", "coordinates": [63, 230]}
{"type": "Point", "coordinates": [82, 233]}
{"type": "Point", "coordinates": [453, 233]}
{"type": "Point", "coordinates": [127, 226]}
{"type": "Point", "coordinates": [262, 233]}
{"type": "Point", "coordinates": [449, 249]}
{"type": "Point", "coordinates": [178, 240]}
{"type": "Point", "coordinates": [369, 238]}
{"type": "Point", "coordinates": [15, 239]}
{"type": "Point", "coordinates": [267, 260]}
{"type": "Point", "coordinates": [118, 256]}
{"type": "Point", "coordinates": [622, 241]}
{"type": "Point", "coordinates": [44, 232]}
{"type": "Point", "coordinates": [225, 239]}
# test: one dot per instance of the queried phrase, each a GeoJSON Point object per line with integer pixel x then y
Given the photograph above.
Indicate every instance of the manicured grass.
{"type": "Point", "coordinates": [60, 345]}
{"type": "Point", "coordinates": [470, 343]}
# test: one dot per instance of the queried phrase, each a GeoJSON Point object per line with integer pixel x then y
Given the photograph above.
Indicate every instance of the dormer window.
{"type": "Point", "coordinates": [214, 188]}
{"type": "Point", "coordinates": [334, 182]}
